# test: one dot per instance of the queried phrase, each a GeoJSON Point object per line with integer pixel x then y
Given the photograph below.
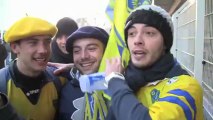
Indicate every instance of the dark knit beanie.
{"type": "Point", "coordinates": [66, 26]}
{"type": "Point", "coordinates": [87, 32]}
{"type": "Point", "coordinates": [153, 16]}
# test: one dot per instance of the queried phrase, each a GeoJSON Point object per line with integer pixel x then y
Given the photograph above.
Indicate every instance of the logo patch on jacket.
{"type": "Point", "coordinates": [155, 95]}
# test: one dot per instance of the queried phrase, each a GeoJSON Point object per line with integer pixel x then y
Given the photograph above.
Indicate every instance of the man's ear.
{"type": "Point", "coordinates": [14, 47]}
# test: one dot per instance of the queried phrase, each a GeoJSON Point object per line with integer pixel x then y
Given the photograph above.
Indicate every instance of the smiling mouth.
{"type": "Point", "coordinates": [86, 64]}
{"type": "Point", "coordinates": [40, 60]}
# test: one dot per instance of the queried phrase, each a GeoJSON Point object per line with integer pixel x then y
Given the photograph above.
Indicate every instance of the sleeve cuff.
{"type": "Point", "coordinates": [114, 75]}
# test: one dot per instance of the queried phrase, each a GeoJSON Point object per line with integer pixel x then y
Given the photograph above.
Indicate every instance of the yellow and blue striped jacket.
{"type": "Point", "coordinates": [179, 97]}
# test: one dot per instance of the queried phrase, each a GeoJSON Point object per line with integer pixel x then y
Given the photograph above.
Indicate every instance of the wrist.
{"type": "Point", "coordinates": [114, 75]}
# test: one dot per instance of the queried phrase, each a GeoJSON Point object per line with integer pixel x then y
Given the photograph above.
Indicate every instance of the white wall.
{"type": "Point", "coordinates": [51, 10]}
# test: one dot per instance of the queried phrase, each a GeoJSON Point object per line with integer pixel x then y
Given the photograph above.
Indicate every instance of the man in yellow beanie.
{"type": "Point", "coordinates": [28, 83]}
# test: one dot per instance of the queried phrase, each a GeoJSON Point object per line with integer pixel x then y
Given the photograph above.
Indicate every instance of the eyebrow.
{"type": "Point", "coordinates": [78, 46]}
{"type": "Point", "coordinates": [132, 27]}
{"type": "Point", "coordinates": [93, 44]}
{"type": "Point", "coordinates": [145, 25]}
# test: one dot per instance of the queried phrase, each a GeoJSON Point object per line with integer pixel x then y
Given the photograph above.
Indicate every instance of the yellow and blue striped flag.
{"type": "Point", "coordinates": [117, 12]}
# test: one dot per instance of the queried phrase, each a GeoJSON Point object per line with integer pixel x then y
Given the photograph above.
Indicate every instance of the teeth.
{"type": "Point", "coordinates": [85, 65]}
{"type": "Point", "coordinates": [138, 54]}
{"type": "Point", "coordinates": [40, 59]}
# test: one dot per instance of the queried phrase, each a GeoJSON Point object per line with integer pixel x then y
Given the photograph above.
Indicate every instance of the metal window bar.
{"type": "Point", "coordinates": [185, 52]}
{"type": "Point", "coordinates": [208, 38]}
{"type": "Point", "coordinates": [187, 38]}
{"type": "Point", "coordinates": [208, 62]}
{"type": "Point", "coordinates": [208, 14]}
{"type": "Point", "coordinates": [186, 23]}
{"type": "Point", "coordinates": [191, 72]}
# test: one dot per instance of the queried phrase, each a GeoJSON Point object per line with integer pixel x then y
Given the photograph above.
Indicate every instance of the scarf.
{"type": "Point", "coordinates": [163, 68]}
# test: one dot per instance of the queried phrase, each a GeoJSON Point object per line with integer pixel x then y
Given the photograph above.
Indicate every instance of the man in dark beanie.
{"type": "Point", "coordinates": [87, 44]}
{"type": "Point", "coordinates": [66, 26]}
{"type": "Point", "coordinates": [154, 86]}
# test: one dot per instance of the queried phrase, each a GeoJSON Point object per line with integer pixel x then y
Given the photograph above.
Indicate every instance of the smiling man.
{"type": "Point", "coordinates": [30, 86]}
{"type": "Point", "coordinates": [88, 53]}
{"type": "Point", "coordinates": [87, 45]}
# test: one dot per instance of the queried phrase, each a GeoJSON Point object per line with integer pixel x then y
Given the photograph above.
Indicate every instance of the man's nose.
{"type": "Point", "coordinates": [43, 48]}
{"type": "Point", "coordinates": [85, 54]}
{"type": "Point", "coordinates": [139, 40]}
{"type": "Point", "coordinates": [64, 40]}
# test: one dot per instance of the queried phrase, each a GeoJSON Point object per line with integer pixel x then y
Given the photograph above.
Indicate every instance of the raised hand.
{"type": "Point", "coordinates": [60, 67]}
{"type": "Point", "coordinates": [114, 65]}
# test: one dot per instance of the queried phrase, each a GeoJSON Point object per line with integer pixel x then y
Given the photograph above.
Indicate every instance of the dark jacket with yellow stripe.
{"type": "Point", "coordinates": [44, 109]}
